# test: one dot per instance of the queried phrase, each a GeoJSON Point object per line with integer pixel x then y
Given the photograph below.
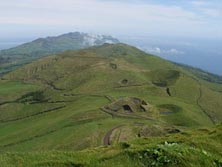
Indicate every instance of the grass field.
{"type": "Point", "coordinates": [51, 112]}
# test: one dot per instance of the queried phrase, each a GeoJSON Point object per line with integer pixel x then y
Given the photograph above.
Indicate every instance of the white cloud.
{"type": "Point", "coordinates": [175, 52]}
{"type": "Point", "coordinates": [212, 12]}
{"type": "Point", "coordinates": [91, 12]}
{"type": "Point", "coordinates": [163, 52]}
{"type": "Point", "coordinates": [103, 16]}
{"type": "Point", "coordinates": [199, 3]}
{"type": "Point", "coordinates": [208, 8]}
{"type": "Point", "coordinates": [155, 50]}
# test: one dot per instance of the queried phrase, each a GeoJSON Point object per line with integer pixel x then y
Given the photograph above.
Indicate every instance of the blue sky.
{"type": "Point", "coordinates": [174, 18]}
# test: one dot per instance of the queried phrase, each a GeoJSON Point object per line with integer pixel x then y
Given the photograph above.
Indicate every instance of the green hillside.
{"type": "Point", "coordinates": [66, 109]}
{"type": "Point", "coordinates": [202, 74]}
{"type": "Point", "coordinates": [25, 53]}
{"type": "Point", "coordinates": [191, 149]}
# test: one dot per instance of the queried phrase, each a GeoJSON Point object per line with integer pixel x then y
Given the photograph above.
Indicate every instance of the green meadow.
{"type": "Point", "coordinates": [51, 111]}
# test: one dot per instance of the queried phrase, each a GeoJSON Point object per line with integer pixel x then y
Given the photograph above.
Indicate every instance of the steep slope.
{"type": "Point", "coordinates": [27, 52]}
{"type": "Point", "coordinates": [103, 95]}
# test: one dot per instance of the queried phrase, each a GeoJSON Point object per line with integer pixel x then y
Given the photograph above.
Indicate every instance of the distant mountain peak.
{"type": "Point", "coordinates": [41, 47]}
{"type": "Point", "coordinates": [57, 44]}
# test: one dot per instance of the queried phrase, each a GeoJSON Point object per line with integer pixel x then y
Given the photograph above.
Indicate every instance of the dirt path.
{"type": "Point", "coordinates": [106, 139]}
{"type": "Point", "coordinates": [198, 101]}
{"type": "Point", "coordinates": [50, 132]}
{"type": "Point", "coordinates": [134, 85]}
{"type": "Point", "coordinates": [35, 114]}
{"type": "Point", "coordinates": [92, 95]}
{"type": "Point", "coordinates": [128, 116]}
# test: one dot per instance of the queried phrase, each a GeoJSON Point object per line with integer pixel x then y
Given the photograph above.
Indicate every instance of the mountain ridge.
{"type": "Point", "coordinates": [78, 38]}
{"type": "Point", "coordinates": [25, 53]}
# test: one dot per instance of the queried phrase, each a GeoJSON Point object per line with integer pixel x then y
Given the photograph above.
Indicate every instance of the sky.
{"type": "Point", "coordinates": [173, 18]}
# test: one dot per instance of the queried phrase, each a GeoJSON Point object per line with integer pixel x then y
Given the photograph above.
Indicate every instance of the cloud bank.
{"type": "Point", "coordinates": [159, 51]}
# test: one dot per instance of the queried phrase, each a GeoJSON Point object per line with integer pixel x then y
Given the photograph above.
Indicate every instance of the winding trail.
{"type": "Point", "coordinates": [77, 123]}
{"type": "Point", "coordinates": [32, 115]}
{"type": "Point", "coordinates": [109, 98]}
{"type": "Point", "coordinates": [132, 85]}
{"type": "Point", "coordinates": [128, 116]}
{"type": "Point", "coordinates": [198, 102]}
{"type": "Point", "coordinates": [106, 139]}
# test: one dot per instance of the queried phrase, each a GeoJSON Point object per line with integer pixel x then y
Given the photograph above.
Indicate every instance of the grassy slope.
{"type": "Point", "coordinates": [192, 149]}
{"type": "Point", "coordinates": [13, 58]}
{"type": "Point", "coordinates": [74, 87]}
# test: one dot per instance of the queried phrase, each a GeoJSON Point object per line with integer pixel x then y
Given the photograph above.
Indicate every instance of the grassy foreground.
{"type": "Point", "coordinates": [190, 149]}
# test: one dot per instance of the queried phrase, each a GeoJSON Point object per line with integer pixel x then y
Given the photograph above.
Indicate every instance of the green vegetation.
{"type": "Point", "coordinates": [164, 78]}
{"type": "Point", "coordinates": [53, 112]}
{"type": "Point", "coordinates": [192, 149]}
{"type": "Point", "coordinates": [202, 74]}
{"type": "Point", "coordinates": [15, 57]}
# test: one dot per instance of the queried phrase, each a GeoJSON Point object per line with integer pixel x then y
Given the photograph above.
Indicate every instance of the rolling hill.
{"type": "Point", "coordinates": [25, 53]}
{"type": "Point", "coordinates": [56, 110]}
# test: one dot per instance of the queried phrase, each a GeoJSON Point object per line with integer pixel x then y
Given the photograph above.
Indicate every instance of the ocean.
{"type": "Point", "coordinates": [9, 44]}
